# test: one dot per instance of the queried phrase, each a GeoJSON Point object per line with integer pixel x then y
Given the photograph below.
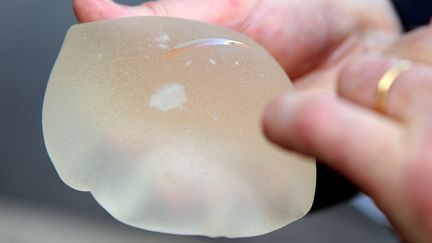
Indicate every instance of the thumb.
{"type": "Point", "coordinates": [217, 12]}
{"type": "Point", "coordinates": [92, 10]}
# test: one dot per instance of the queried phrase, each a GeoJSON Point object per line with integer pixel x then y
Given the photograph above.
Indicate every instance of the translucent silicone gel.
{"type": "Point", "coordinates": [159, 118]}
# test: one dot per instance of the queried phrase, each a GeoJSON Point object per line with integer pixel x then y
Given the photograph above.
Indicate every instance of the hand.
{"type": "Point", "coordinates": [305, 38]}
{"type": "Point", "coordinates": [388, 155]}
{"type": "Point", "coordinates": [313, 42]}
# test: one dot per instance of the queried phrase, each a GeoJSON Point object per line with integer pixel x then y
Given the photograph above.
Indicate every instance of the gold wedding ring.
{"type": "Point", "coordinates": [385, 83]}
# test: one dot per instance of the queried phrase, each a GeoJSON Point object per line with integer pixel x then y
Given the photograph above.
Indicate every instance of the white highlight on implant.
{"type": "Point", "coordinates": [168, 97]}
{"type": "Point", "coordinates": [189, 45]}
{"type": "Point", "coordinates": [163, 40]}
{"type": "Point", "coordinates": [209, 42]}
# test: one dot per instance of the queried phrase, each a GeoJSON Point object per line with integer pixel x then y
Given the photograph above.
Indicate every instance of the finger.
{"type": "Point", "coordinates": [93, 10]}
{"type": "Point", "coordinates": [408, 96]}
{"type": "Point", "coordinates": [354, 141]}
{"type": "Point", "coordinates": [228, 13]}
{"type": "Point", "coordinates": [416, 46]}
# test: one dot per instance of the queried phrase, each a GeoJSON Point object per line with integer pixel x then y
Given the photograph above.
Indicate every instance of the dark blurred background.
{"type": "Point", "coordinates": [35, 205]}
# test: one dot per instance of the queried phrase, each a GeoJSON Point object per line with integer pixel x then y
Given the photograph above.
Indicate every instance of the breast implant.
{"type": "Point", "coordinates": [160, 120]}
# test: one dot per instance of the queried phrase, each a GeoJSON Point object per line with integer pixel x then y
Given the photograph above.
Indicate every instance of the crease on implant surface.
{"type": "Point", "coordinates": [193, 44]}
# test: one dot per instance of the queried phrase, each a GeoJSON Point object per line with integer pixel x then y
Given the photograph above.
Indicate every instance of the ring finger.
{"type": "Point", "coordinates": [408, 93]}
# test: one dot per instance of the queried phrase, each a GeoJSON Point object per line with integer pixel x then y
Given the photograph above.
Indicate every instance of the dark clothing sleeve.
{"type": "Point", "coordinates": [413, 13]}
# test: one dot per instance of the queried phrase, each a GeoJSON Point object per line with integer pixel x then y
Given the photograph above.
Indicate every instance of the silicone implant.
{"type": "Point", "coordinates": [159, 118]}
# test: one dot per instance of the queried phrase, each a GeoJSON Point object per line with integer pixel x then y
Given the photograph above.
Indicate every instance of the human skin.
{"type": "Point", "coordinates": [301, 35]}
{"type": "Point", "coordinates": [385, 154]}
{"type": "Point", "coordinates": [320, 44]}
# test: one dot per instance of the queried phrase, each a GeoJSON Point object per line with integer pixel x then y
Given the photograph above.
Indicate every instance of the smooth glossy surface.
{"type": "Point", "coordinates": [173, 144]}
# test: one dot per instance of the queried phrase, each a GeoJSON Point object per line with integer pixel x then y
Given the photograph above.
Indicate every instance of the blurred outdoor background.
{"type": "Point", "coordinates": [36, 206]}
